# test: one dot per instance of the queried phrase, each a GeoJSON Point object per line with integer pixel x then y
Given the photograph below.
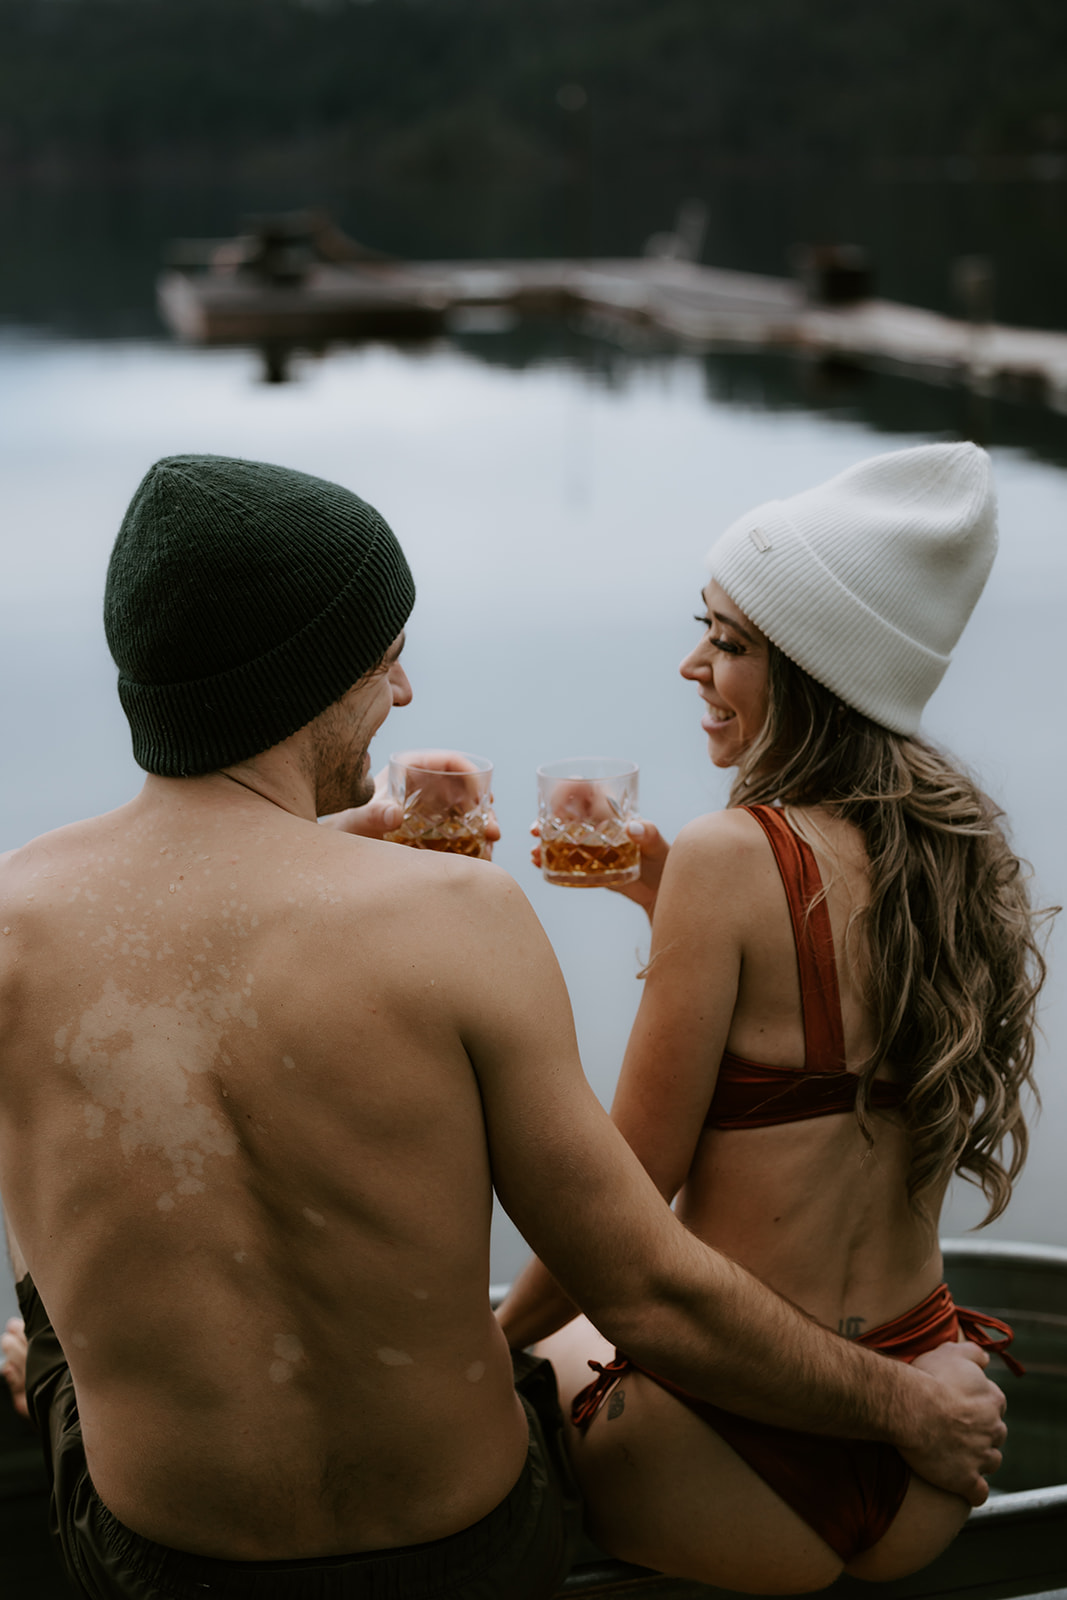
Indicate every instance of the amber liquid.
{"type": "Point", "coordinates": [458, 841]}
{"type": "Point", "coordinates": [577, 862]}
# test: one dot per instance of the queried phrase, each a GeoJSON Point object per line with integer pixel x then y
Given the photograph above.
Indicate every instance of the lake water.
{"type": "Point", "coordinates": [555, 494]}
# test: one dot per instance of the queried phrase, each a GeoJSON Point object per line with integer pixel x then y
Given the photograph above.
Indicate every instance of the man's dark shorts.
{"type": "Point", "coordinates": [520, 1551]}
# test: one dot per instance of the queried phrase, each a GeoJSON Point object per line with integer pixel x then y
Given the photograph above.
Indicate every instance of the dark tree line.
{"type": "Point", "coordinates": [424, 90]}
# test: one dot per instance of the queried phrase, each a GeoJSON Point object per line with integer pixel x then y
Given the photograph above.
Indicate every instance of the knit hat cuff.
{"type": "Point", "coordinates": [183, 729]}
{"type": "Point", "coordinates": [768, 569]}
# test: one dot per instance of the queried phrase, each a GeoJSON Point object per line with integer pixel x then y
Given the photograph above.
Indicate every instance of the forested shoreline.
{"type": "Point", "coordinates": [526, 90]}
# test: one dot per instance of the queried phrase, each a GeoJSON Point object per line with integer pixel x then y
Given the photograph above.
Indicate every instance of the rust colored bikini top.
{"type": "Point", "coordinates": [749, 1094]}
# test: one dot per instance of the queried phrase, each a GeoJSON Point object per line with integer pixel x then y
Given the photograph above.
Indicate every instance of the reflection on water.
{"type": "Point", "coordinates": [555, 494]}
{"type": "Point", "coordinates": [884, 399]}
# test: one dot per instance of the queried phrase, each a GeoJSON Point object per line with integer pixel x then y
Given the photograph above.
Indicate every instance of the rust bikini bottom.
{"type": "Point", "coordinates": [847, 1490]}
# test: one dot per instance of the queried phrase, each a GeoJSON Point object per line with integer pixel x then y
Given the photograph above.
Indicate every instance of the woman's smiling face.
{"type": "Point", "coordinates": [730, 668]}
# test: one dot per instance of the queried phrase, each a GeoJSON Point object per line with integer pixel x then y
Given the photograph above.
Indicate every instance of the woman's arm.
{"type": "Point", "coordinates": [672, 1059]}
{"type": "Point", "coordinates": [535, 1307]}
{"type": "Point", "coordinates": [690, 990]}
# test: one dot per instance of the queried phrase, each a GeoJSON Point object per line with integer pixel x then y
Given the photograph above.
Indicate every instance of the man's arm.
{"type": "Point", "coordinates": [583, 1201]}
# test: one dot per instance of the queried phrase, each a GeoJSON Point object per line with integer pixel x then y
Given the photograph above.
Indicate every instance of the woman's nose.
{"type": "Point", "coordinates": [696, 666]}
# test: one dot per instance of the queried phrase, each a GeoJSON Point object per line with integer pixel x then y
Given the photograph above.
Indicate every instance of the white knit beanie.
{"type": "Point", "coordinates": [867, 581]}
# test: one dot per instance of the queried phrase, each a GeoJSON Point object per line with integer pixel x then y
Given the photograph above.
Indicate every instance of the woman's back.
{"type": "Point", "coordinates": [808, 1204]}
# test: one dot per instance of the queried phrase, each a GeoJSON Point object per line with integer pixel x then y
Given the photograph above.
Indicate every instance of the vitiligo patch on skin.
{"type": "Point", "coordinates": [139, 1059]}
{"type": "Point", "coordinates": [395, 1358]}
{"type": "Point", "coordinates": [289, 1351]}
{"type": "Point", "coordinates": [316, 1218]}
{"type": "Point", "coordinates": [475, 1372]}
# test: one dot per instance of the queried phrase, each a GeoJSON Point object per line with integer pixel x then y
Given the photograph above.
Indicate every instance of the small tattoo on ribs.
{"type": "Point", "coordinates": [616, 1404]}
{"type": "Point", "coordinates": [851, 1327]}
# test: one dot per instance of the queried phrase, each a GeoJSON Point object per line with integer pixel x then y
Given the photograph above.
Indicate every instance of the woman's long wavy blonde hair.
{"type": "Point", "coordinates": [953, 957]}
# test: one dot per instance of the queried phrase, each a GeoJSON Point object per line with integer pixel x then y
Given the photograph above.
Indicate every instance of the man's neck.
{"type": "Point", "coordinates": [277, 777]}
{"type": "Point", "coordinates": [278, 789]}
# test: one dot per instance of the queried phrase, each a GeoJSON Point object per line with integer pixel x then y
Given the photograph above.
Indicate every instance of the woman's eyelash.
{"type": "Point", "coordinates": [726, 645]}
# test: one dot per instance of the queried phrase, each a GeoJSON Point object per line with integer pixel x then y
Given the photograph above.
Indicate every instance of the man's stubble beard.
{"type": "Point", "coordinates": [342, 775]}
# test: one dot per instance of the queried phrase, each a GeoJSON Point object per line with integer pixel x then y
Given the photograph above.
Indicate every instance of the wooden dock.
{"type": "Point", "coordinates": [702, 308]}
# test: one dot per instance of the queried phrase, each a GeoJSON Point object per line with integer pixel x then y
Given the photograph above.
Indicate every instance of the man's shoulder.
{"type": "Point", "coordinates": [32, 857]}
{"type": "Point", "coordinates": [361, 868]}
{"type": "Point", "coordinates": [34, 871]}
{"type": "Point", "coordinates": [415, 923]}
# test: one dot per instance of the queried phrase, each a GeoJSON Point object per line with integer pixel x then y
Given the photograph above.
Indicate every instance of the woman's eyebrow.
{"type": "Point", "coordinates": [728, 622]}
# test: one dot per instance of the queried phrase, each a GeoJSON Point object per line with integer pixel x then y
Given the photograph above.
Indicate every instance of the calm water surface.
{"type": "Point", "coordinates": [555, 497]}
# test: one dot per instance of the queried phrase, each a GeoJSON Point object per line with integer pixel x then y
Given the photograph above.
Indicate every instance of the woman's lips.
{"type": "Point", "coordinates": [713, 720]}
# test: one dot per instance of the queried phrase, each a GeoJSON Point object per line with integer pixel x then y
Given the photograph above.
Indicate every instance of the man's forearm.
{"type": "Point", "coordinates": [738, 1344]}
{"type": "Point", "coordinates": [705, 1323]}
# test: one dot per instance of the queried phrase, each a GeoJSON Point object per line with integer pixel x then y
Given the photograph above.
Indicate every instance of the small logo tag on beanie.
{"type": "Point", "coordinates": [759, 539]}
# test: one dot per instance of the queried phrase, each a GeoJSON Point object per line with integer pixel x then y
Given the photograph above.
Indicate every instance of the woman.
{"type": "Point", "coordinates": [837, 1015]}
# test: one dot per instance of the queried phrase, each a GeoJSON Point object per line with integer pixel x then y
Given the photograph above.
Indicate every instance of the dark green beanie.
{"type": "Point", "coordinates": [242, 599]}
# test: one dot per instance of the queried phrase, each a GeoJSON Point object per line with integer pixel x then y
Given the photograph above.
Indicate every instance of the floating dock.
{"type": "Point", "coordinates": [703, 308]}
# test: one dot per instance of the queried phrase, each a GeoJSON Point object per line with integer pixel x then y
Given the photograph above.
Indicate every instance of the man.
{"type": "Point", "coordinates": [258, 1079]}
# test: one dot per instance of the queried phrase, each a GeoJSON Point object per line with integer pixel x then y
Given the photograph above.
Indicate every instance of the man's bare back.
{"type": "Point", "coordinates": [258, 1080]}
{"type": "Point", "coordinates": [253, 1172]}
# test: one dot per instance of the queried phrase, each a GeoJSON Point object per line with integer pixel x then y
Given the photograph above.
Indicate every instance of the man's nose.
{"type": "Point", "coordinates": [401, 687]}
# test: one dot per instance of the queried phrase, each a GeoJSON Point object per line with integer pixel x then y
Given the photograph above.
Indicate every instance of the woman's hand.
{"type": "Point", "coordinates": [654, 851]}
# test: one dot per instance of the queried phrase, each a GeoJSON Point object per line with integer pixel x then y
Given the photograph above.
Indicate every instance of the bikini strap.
{"type": "Point", "coordinates": [938, 1320]}
{"type": "Point", "coordinates": [820, 998]}
{"type": "Point", "coordinates": [588, 1401]}
{"type": "Point", "coordinates": [976, 1326]}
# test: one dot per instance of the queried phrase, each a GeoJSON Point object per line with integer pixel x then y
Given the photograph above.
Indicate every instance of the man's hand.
{"type": "Point", "coordinates": [962, 1426]}
{"type": "Point", "coordinates": [13, 1369]}
{"type": "Point", "coordinates": [381, 815]}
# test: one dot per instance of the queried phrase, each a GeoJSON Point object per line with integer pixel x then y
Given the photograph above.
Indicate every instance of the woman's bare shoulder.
{"type": "Point", "coordinates": [726, 849]}
{"type": "Point", "coordinates": [732, 836]}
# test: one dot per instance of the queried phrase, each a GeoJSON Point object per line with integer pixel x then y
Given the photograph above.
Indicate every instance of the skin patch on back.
{"type": "Point", "coordinates": [289, 1352]}
{"type": "Point", "coordinates": [138, 1059]}
{"type": "Point", "coordinates": [395, 1358]}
